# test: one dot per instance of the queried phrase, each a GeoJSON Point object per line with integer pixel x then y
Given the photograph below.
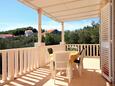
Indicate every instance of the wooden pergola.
{"type": "Point", "coordinates": [70, 10]}
{"type": "Point", "coordinates": [64, 10]}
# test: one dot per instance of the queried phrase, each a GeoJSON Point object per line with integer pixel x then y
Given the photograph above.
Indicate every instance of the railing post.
{"type": "Point", "coordinates": [4, 65]}
{"type": "Point", "coordinates": [29, 59]}
{"type": "Point", "coordinates": [34, 61]}
{"type": "Point", "coordinates": [81, 47]}
{"type": "Point", "coordinates": [87, 50]}
{"type": "Point", "coordinates": [16, 63]}
{"type": "Point", "coordinates": [21, 61]}
{"type": "Point", "coordinates": [30, 63]}
{"type": "Point", "coordinates": [37, 57]}
{"type": "Point", "coordinates": [97, 50]}
{"type": "Point", "coordinates": [25, 60]}
{"type": "Point", "coordinates": [93, 50]}
{"type": "Point", "coordinates": [11, 64]}
{"type": "Point", "coordinates": [78, 47]}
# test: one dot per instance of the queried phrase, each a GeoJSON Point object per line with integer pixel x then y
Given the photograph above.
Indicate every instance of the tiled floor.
{"type": "Point", "coordinates": [91, 76]}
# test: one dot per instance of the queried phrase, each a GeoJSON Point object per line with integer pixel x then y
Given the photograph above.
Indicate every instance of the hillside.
{"type": "Point", "coordinates": [86, 35]}
{"type": "Point", "coordinates": [19, 31]}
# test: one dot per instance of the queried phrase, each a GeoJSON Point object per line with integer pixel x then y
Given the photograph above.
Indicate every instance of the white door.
{"type": "Point", "coordinates": [106, 35]}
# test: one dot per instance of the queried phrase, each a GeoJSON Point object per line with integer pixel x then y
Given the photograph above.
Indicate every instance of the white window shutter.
{"type": "Point", "coordinates": [106, 52]}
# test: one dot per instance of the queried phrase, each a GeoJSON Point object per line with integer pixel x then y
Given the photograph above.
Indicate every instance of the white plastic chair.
{"type": "Point", "coordinates": [80, 64]}
{"type": "Point", "coordinates": [61, 60]}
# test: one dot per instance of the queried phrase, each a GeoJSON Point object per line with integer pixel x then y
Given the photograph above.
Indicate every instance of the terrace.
{"type": "Point", "coordinates": [24, 67]}
{"type": "Point", "coordinates": [30, 66]}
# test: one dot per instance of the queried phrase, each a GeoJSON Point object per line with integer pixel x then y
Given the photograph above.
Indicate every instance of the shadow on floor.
{"type": "Point", "coordinates": [91, 76]}
{"type": "Point", "coordinates": [42, 77]}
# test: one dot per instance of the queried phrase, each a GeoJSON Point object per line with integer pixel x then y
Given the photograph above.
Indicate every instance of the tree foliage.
{"type": "Point", "coordinates": [52, 39]}
{"type": "Point", "coordinates": [18, 42]}
{"type": "Point", "coordinates": [87, 35]}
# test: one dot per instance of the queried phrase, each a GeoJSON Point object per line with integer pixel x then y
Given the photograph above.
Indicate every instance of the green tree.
{"type": "Point", "coordinates": [52, 39]}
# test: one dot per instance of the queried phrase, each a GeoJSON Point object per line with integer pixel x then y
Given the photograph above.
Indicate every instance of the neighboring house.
{"type": "Point", "coordinates": [54, 31]}
{"type": "Point", "coordinates": [28, 33]}
{"type": "Point", "coordinates": [7, 35]}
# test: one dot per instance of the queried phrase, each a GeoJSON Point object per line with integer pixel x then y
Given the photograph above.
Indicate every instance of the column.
{"type": "Point", "coordinates": [39, 26]}
{"type": "Point", "coordinates": [62, 33]}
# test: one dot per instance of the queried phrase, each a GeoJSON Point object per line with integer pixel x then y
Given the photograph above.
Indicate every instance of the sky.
{"type": "Point", "coordinates": [14, 14]}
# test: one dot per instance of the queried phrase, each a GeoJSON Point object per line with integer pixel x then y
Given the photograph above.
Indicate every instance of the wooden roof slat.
{"type": "Point", "coordinates": [80, 18]}
{"type": "Point", "coordinates": [65, 10]}
{"type": "Point", "coordinates": [77, 14]}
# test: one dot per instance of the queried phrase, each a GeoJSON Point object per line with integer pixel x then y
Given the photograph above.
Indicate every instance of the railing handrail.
{"type": "Point", "coordinates": [91, 49]}
{"type": "Point", "coordinates": [82, 44]}
{"type": "Point", "coordinates": [17, 49]}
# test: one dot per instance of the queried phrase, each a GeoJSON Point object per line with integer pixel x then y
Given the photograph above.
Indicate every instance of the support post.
{"type": "Point", "coordinates": [62, 33]}
{"type": "Point", "coordinates": [39, 25]}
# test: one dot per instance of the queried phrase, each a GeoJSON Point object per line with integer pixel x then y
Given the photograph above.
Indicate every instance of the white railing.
{"type": "Point", "coordinates": [91, 49]}
{"type": "Point", "coordinates": [16, 62]}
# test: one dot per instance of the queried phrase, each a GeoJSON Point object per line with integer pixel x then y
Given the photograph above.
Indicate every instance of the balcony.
{"type": "Point", "coordinates": [24, 67]}
{"type": "Point", "coordinates": [71, 10]}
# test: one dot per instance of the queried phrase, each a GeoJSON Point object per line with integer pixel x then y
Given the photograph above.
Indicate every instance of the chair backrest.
{"type": "Point", "coordinates": [48, 56]}
{"type": "Point", "coordinates": [50, 50]}
{"type": "Point", "coordinates": [82, 54]}
{"type": "Point", "coordinates": [61, 60]}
